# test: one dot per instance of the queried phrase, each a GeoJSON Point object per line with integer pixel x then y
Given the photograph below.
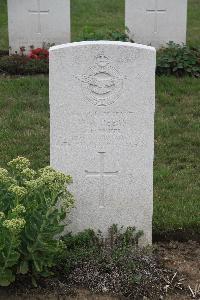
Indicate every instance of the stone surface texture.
{"type": "Point", "coordinates": [156, 22]}
{"type": "Point", "coordinates": [102, 97]}
{"type": "Point", "coordinates": [34, 22]}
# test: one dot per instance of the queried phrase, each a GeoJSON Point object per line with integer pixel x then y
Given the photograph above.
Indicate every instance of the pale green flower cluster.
{"type": "Point", "coordinates": [45, 181]}
{"type": "Point", "coordinates": [2, 215]}
{"type": "Point", "coordinates": [49, 173]}
{"type": "Point", "coordinates": [54, 179]}
{"type": "Point", "coordinates": [34, 184]}
{"type": "Point", "coordinates": [68, 201]}
{"type": "Point", "coordinates": [49, 178]}
{"type": "Point", "coordinates": [19, 163]}
{"type": "Point", "coordinates": [4, 177]}
{"type": "Point", "coordinates": [14, 225]}
{"type": "Point", "coordinates": [28, 173]}
{"type": "Point", "coordinates": [18, 191]}
{"type": "Point", "coordinates": [19, 210]}
{"type": "Point", "coordinates": [3, 172]}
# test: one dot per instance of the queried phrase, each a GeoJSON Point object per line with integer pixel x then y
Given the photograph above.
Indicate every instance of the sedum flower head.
{"type": "Point", "coordinates": [5, 178]}
{"type": "Point", "coordinates": [14, 225]}
{"type": "Point", "coordinates": [3, 172]}
{"type": "Point", "coordinates": [20, 163]}
{"type": "Point", "coordinates": [47, 169]}
{"type": "Point", "coordinates": [53, 179]}
{"type": "Point", "coordinates": [2, 215]}
{"type": "Point", "coordinates": [17, 190]}
{"type": "Point", "coordinates": [49, 179]}
{"type": "Point", "coordinates": [28, 173]}
{"type": "Point", "coordinates": [68, 201]}
{"type": "Point", "coordinates": [34, 184]}
{"type": "Point", "coordinates": [19, 210]}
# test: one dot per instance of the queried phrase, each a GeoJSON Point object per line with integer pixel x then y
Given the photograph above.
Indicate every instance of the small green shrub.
{"type": "Point", "coordinates": [88, 34]}
{"type": "Point", "coordinates": [178, 60]}
{"type": "Point", "coordinates": [22, 65]}
{"type": "Point", "coordinates": [122, 36]}
{"type": "Point", "coordinates": [88, 246]}
{"type": "Point", "coordinates": [32, 206]}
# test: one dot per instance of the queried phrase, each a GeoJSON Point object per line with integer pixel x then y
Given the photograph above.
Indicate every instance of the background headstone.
{"type": "Point", "coordinates": [34, 22]}
{"type": "Point", "coordinates": [102, 131]}
{"type": "Point", "coordinates": [156, 22]}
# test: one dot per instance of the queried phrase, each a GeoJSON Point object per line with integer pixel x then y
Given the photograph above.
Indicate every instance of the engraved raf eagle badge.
{"type": "Point", "coordinates": [101, 84]}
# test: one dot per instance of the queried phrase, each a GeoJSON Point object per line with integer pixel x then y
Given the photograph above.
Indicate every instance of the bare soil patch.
{"type": "Point", "coordinates": [183, 258]}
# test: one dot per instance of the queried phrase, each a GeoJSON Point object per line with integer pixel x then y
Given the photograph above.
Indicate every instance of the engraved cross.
{"type": "Point", "coordinates": [39, 12]}
{"type": "Point", "coordinates": [156, 13]}
{"type": "Point", "coordinates": [101, 174]}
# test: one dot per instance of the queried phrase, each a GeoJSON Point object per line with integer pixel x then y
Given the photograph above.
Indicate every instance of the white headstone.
{"type": "Point", "coordinates": [102, 131]}
{"type": "Point", "coordinates": [157, 22]}
{"type": "Point", "coordinates": [34, 22]}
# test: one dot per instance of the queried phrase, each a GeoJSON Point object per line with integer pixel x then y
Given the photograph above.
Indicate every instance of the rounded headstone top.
{"type": "Point", "coordinates": [111, 43]}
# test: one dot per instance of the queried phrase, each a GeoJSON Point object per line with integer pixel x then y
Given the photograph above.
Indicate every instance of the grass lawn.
{"type": "Point", "coordinates": [97, 15]}
{"type": "Point", "coordinates": [177, 154]}
{"type": "Point", "coordinates": [24, 119]}
{"type": "Point", "coordinates": [193, 32]}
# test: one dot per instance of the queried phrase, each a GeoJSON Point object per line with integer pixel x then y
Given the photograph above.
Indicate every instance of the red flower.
{"type": "Point", "coordinates": [33, 56]}
{"type": "Point", "coordinates": [39, 53]}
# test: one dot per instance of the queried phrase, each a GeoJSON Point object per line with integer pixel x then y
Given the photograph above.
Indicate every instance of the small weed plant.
{"type": "Point", "coordinates": [88, 34]}
{"type": "Point", "coordinates": [87, 244]}
{"type": "Point", "coordinates": [178, 60]}
{"type": "Point", "coordinates": [32, 207]}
